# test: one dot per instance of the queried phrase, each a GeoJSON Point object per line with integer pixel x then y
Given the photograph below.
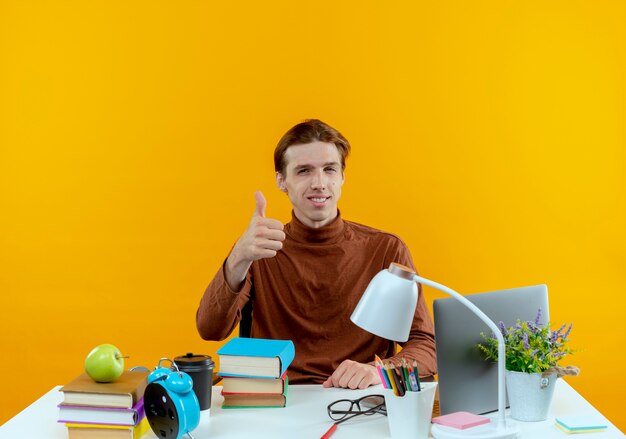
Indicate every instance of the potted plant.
{"type": "Point", "coordinates": [533, 352]}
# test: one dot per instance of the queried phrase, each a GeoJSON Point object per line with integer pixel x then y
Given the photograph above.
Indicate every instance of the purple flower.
{"type": "Point", "coordinates": [561, 329]}
{"type": "Point", "coordinates": [553, 336]}
{"type": "Point", "coordinates": [558, 354]}
{"type": "Point", "coordinates": [534, 352]}
{"type": "Point", "coordinates": [526, 345]}
{"type": "Point", "coordinates": [502, 328]}
{"type": "Point", "coordinates": [567, 332]}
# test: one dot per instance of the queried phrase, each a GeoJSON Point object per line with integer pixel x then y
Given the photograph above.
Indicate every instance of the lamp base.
{"type": "Point", "coordinates": [485, 431]}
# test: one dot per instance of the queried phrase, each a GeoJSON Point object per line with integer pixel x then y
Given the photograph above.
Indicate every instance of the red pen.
{"type": "Point", "coordinates": [330, 432]}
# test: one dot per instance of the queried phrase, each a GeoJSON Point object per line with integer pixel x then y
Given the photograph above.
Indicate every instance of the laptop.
{"type": "Point", "coordinates": [467, 382]}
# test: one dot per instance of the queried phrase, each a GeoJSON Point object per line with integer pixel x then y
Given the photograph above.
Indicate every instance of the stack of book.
{"type": "Point", "coordinates": [254, 372]}
{"type": "Point", "coordinates": [92, 410]}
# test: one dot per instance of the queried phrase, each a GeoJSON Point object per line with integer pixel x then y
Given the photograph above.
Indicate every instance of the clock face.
{"type": "Point", "coordinates": [161, 412]}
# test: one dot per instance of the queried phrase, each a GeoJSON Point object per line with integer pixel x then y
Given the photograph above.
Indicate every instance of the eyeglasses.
{"type": "Point", "coordinates": [345, 409]}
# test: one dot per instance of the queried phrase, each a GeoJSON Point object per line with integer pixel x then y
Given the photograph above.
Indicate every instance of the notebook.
{"type": "Point", "coordinates": [466, 381]}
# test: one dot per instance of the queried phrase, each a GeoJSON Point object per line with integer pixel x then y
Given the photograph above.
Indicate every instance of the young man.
{"type": "Point", "coordinates": [305, 278]}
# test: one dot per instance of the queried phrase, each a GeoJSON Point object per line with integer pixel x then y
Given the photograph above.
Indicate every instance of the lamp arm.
{"type": "Point", "coordinates": [496, 331]}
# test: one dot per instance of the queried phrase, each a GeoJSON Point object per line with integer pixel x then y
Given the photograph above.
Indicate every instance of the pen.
{"type": "Point", "coordinates": [417, 376]}
{"type": "Point", "coordinates": [413, 380]}
{"type": "Point", "coordinates": [330, 432]}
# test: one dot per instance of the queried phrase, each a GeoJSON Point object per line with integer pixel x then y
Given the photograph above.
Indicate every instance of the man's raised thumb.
{"type": "Point", "coordinates": [260, 204]}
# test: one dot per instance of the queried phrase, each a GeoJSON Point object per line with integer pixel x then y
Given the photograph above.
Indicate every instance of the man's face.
{"type": "Point", "coordinates": [313, 179]}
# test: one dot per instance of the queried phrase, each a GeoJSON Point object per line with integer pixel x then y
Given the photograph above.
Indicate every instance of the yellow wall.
{"type": "Point", "coordinates": [489, 135]}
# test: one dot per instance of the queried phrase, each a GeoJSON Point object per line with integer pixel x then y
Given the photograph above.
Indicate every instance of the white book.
{"type": "Point", "coordinates": [101, 415]}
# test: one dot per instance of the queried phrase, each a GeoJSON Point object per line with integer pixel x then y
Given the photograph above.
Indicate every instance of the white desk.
{"type": "Point", "coordinates": [304, 417]}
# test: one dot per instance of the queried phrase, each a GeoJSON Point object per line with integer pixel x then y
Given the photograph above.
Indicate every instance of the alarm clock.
{"type": "Point", "coordinates": [171, 406]}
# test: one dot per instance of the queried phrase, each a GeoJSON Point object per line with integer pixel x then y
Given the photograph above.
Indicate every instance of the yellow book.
{"type": "Point", "coordinates": [101, 431]}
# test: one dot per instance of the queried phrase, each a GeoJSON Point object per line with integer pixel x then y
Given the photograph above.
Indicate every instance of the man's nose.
{"type": "Point", "coordinates": [319, 180]}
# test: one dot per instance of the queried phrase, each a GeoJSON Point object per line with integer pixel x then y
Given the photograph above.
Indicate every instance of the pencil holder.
{"type": "Point", "coordinates": [410, 415]}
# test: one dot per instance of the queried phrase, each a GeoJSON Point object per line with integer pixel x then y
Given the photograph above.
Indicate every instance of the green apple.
{"type": "Point", "coordinates": [104, 363]}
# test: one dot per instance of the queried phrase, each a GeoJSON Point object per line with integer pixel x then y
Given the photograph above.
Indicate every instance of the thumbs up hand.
{"type": "Point", "coordinates": [262, 239]}
{"type": "Point", "coordinates": [260, 204]}
{"type": "Point", "coordinates": [264, 236]}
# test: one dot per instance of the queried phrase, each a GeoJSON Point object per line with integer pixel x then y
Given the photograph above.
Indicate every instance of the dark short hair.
{"type": "Point", "coordinates": [311, 130]}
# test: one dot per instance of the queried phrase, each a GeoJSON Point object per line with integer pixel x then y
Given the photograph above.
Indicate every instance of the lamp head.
{"type": "Point", "coordinates": [387, 307]}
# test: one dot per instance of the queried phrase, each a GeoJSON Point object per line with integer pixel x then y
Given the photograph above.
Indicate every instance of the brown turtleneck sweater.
{"type": "Point", "coordinates": [307, 294]}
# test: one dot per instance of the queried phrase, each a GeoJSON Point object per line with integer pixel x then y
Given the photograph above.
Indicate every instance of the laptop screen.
{"type": "Point", "coordinates": [466, 381]}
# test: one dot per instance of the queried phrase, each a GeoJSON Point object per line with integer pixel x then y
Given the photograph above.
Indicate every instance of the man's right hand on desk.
{"type": "Point", "coordinates": [262, 239]}
{"type": "Point", "coordinates": [353, 375]}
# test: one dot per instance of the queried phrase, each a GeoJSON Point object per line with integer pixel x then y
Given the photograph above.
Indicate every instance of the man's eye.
{"type": "Point", "coordinates": [303, 171]}
{"type": "Point", "coordinates": [331, 170]}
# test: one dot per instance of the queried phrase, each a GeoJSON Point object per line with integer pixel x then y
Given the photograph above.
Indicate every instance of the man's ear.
{"type": "Point", "coordinates": [280, 182]}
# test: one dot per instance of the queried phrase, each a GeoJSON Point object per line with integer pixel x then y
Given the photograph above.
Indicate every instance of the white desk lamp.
{"type": "Point", "coordinates": [387, 309]}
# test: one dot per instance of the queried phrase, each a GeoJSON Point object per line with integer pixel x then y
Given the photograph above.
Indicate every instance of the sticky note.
{"type": "Point", "coordinates": [461, 420]}
{"type": "Point", "coordinates": [568, 431]}
{"type": "Point", "coordinates": [581, 422]}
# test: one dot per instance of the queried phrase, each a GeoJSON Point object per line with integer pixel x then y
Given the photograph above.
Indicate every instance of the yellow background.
{"type": "Point", "coordinates": [489, 135]}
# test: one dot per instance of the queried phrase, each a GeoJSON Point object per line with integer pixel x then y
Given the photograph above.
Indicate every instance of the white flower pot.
{"type": "Point", "coordinates": [530, 395]}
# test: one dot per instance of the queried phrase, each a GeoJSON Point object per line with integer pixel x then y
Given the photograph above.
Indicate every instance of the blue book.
{"type": "Point", "coordinates": [255, 357]}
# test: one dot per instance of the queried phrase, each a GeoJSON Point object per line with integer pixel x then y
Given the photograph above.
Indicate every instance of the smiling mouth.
{"type": "Point", "coordinates": [319, 199]}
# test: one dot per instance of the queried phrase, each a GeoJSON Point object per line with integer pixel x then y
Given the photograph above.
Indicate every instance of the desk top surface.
{"type": "Point", "coordinates": [304, 417]}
